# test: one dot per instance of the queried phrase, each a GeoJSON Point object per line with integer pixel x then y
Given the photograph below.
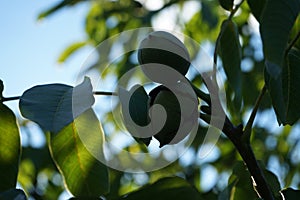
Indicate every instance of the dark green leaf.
{"type": "Point", "coordinates": [70, 50]}
{"type": "Point", "coordinates": [285, 92]}
{"type": "Point", "coordinates": [290, 194]}
{"type": "Point", "coordinates": [10, 148]}
{"type": "Point", "coordinates": [73, 150]}
{"type": "Point", "coordinates": [231, 55]}
{"type": "Point", "coordinates": [15, 194]}
{"type": "Point", "coordinates": [276, 23]}
{"type": "Point", "coordinates": [242, 183]}
{"type": "Point", "coordinates": [165, 188]}
{"type": "Point", "coordinates": [54, 106]}
{"type": "Point", "coordinates": [226, 4]}
{"type": "Point", "coordinates": [257, 7]}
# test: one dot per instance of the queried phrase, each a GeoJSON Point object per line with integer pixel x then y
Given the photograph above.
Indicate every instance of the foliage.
{"type": "Point", "coordinates": [65, 112]}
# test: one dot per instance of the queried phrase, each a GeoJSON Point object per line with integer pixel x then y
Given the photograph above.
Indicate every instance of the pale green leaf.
{"type": "Point", "coordinates": [70, 50]}
{"type": "Point", "coordinates": [10, 148]}
{"type": "Point", "coordinates": [54, 106]}
{"type": "Point", "coordinates": [76, 150]}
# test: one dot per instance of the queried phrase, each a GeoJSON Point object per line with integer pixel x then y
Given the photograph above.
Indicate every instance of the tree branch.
{"type": "Point", "coordinates": [248, 128]}
{"type": "Point", "coordinates": [105, 93]}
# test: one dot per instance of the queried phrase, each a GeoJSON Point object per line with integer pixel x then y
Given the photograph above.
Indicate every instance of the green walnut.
{"type": "Point", "coordinates": [181, 110]}
{"type": "Point", "coordinates": [162, 48]}
{"type": "Point", "coordinates": [166, 98]}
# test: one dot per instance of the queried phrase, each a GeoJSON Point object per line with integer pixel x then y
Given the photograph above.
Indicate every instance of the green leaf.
{"type": "Point", "coordinates": [290, 194]}
{"type": "Point", "coordinates": [165, 188]}
{"type": "Point", "coordinates": [257, 7]}
{"type": "Point", "coordinates": [16, 194]}
{"type": "Point", "coordinates": [231, 55]}
{"type": "Point", "coordinates": [10, 148]}
{"type": "Point", "coordinates": [57, 7]}
{"type": "Point", "coordinates": [277, 21]}
{"type": "Point", "coordinates": [54, 106]}
{"type": "Point", "coordinates": [70, 50]}
{"type": "Point", "coordinates": [241, 180]}
{"type": "Point", "coordinates": [226, 4]}
{"type": "Point", "coordinates": [284, 91]}
{"type": "Point", "coordinates": [73, 150]}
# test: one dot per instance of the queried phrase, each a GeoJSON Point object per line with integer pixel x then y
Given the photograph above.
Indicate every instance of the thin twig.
{"type": "Point", "coordinates": [105, 93]}
{"type": "Point", "coordinates": [9, 98]}
{"type": "Point", "coordinates": [235, 9]}
{"type": "Point", "coordinates": [247, 131]}
{"type": "Point", "coordinates": [292, 43]}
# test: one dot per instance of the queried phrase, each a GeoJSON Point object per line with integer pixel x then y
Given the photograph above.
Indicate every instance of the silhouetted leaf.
{"type": "Point", "coordinates": [76, 150]}
{"type": "Point", "coordinates": [257, 7]}
{"type": "Point", "coordinates": [290, 194]}
{"type": "Point", "coordinates": [285, 91]}
{"type": "Point", "coordinates": [10, 148]}
{"type": "Point", "coordinates": [54, 106]}
{"type": "Point", "coordinates": [165, 188]}
{"type": "Point", "coordinates": [15, 194]}
{"type": "Point", "coordinates": [226, 4]}
{"type": "Point", "coordinates": [231, 55]}
{"type": "Point", "coordinates": [276, 23]}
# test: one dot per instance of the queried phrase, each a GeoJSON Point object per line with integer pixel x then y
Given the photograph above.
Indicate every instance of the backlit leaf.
{"type": "Point", "coordinates": [10, 148]}
{"type": "Point", "coordinates": [69, 51]}
{"type": "Point", "coordinates": [54, 106]}
{"type": "Point", "coordinates": [76, 150]}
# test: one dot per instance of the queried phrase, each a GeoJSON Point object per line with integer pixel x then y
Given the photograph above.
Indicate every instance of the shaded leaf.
{"type": "Point", "coordinates": [54, 106]}
{"type": "Point", "coordinates": [284, 91]}
{"type": "Point", "coordinates": [74, 149]}
{"type": "Point", "coordinates": [10, 148]}
{"type": "Point", "coordinates": [15, 194]}
{"type": "Point", "coordinates": [242, 184]}
{"type": "Point", "coordinates": [69, 51]}
{"type": "Point", "coordinates": [276, 23]}
{"type": "Point", "coordinates": [290, 194]}
{"type": "Point", "coordinates": [257, 7]}
{"type": "Point", "coordinates": [231, 55]}
{"type": "Point", "coordinates": [165, 188]}
{"type": "Point", "coordinates": [226, 4]}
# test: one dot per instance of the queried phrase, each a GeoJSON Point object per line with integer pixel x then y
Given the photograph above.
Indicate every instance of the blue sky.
{"type": "Point", "coordinates": [29, 48]}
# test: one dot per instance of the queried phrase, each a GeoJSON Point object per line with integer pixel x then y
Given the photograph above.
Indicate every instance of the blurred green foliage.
{"type": "Point", "coordinates": [277, 148]}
